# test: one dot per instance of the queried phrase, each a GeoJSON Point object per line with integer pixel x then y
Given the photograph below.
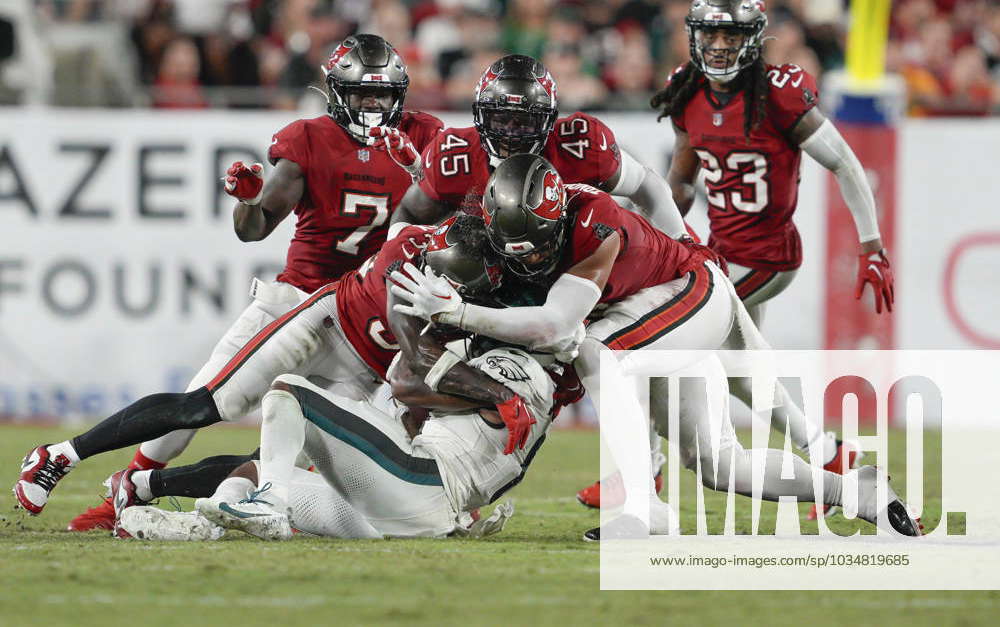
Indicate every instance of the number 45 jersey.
{"type": "Point", "coordinates": [753, 183]}
{"type": "Point", "coordinates": [350, 192]}
{"type": "Point", "coordinates": [456, 166]}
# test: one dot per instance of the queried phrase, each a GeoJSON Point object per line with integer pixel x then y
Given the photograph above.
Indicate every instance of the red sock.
{"type": "Point", "coordinates": [141, 462]}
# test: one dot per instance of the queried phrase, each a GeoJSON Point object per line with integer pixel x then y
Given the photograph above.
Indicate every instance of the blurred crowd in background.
{"type": "Point", "coordinates": [604, 54]}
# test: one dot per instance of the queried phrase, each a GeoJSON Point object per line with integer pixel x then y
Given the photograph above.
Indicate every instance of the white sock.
{"type": "Point", "coordinates": [141, 480]}
{"type": "Point", "coordinates": [234, 489]}
{"type": "Point", "coordinates": [64, 448]}
{"type": "Point", "coordinates": [282, 435]}
{"type": "Point", "coordinates": [625, 432]}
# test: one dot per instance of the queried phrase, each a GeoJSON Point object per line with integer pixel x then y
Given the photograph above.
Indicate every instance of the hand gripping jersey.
{"type": "Point", "coordinates": [752, 185]}
{"type": "Point", "coordinates": [456, 166]}
{"type": "Point", "coordinates": [469, 450]}
{"type": "Point", "coordinates": [350, 192]}
{"type": "Point", "coordinates": [362, 298]}
{"type": "Point", "coordinates": [647, 256]}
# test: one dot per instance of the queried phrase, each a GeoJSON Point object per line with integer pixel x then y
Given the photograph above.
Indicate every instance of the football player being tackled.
{"type": "Point", "coordinates": [516, 111]}
{"type": "Point", "coordinates": [593, 257]}
{"type": "Point", "coordinates": [342, 174]}
{"type": "Point", "coordinates": [745, 124]}
{"type": "Point", "coordinates": [383, 469]}
{"type": "Point", "coordinates": [339, 336]}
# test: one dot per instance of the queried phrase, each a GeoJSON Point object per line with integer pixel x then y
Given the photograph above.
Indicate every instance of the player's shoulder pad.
{"type": "Point", "coordinates": [290, 142]}
{"type": "Point", "coordinates": [677, 70]}
{"type": "Point", "coordinates": [452, 139]}
{"type": "Point", "coordinates": [420, 127]}
{"type": "Point", "coordinates": [792, 86]}
{"type": "Point", "coordinates": [580, 115]}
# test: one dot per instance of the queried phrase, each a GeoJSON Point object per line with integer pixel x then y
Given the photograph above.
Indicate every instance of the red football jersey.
{"type": "Point", "coordinates": [647, 256]}
{"type": "Point", "coordinates": [350, 192]}
{"type": "Point", "coordinates": [362, 297]}
{"type": "Point", "coordinates": [456, 166]}
{"type": "Point", "coordinates": [753, 185]}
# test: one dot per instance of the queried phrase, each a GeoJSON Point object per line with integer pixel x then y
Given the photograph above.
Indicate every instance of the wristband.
{"type": "Point", "coordinates": [445, 362]}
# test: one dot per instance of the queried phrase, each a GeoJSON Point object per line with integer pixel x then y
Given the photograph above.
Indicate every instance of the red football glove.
{"type": "Point", "coordinates": [874, 268]}
{"type": "Point", "coordinates": [245, 183]}
{"type": "Point", "coordinates": [518, 419]}
{"type": "Point", "coordinates": [703, 253]}
{"type": "Point", "coordinates": [569, 389]}
{"type": "Point", "coordinates": [400, 149]}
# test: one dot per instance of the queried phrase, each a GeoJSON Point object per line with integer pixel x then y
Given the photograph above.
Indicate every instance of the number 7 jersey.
{"type": "Point", "coordinates": [349, 193]}
{"type": "Point", "coordinates": [456, 166]}
{"type": "Point", "coordinates": [752, 184]}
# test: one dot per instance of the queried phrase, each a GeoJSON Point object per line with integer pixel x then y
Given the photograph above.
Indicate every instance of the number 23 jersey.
{"type": "Point", "coordinates": [350, 191]}
{"type": "Point", "coordinates": [752, 184]}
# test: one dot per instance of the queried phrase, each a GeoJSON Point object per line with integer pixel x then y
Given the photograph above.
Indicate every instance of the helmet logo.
{"type": "Point", "coordinates": [549, 85]}
{"type": "Point", "coordinates": [338, 54]}
{"type": "Point", "coordinates": [761, 5]}
{"type": "Point", "coordinates": [488, 77]}
{"type": "Point", "coordinates": [551, 206]}
{"type": "Point", "coordinates": [514, 99]}
{"type": "Point", "coordinates": [719, 17]}
{"type": "Point", "coordinates": [375, 78]}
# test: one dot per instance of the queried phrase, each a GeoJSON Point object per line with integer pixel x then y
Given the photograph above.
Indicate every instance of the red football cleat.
{"type": "Point", "coordinates": [40, 472]}
{"type": "Point", "coordinates": [122, 491]}
{"type": "Point", "coordinates": [613, 489]}
{"type": "Point", "coordinates": [98, 517]}
{"type": "Point", "coordinates": [845, 452]}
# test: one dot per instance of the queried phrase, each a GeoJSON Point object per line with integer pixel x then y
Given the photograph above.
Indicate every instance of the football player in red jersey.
{"type": "Point", "coordinates": [342, 334]}
{"type": "Point", "coordinates": [594, 256]}
{"type": "Point", "coordinates": [516, 111]}
{"type": "Point", "coordinates": [745, 124]}
{"type": "Point", "coordinates": [341, 184]}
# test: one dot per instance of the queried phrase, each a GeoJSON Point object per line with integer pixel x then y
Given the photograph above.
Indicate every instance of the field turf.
{"type": "Point", "coordinates": [537, 572]}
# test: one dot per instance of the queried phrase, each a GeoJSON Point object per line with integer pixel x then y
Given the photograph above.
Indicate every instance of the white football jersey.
{"type": "Point", "coordinates": [469, 450]}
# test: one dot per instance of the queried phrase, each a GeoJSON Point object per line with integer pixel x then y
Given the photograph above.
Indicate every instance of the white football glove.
{"type": "Point", "coordinates": [430, 297]}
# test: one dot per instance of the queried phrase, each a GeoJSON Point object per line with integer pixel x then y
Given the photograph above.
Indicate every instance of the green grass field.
{"type": "Point", "coordinates": [536, 572]}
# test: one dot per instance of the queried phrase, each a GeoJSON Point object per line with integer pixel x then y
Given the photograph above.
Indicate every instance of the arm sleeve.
{"type": "Point", "coordinates": [828, 148]}
{"type": "Point", "coordinates": [651, 194]}
{"type": "Point", "coordinates": [569, 301]}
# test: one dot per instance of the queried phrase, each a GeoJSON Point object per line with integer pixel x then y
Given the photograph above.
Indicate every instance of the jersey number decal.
{"type": "Point", "coordinates": [569, 128]}
{"type": "Point", "coordinates": [751, 195]}
{"type": "Point", "coordinates": [376, 331]}
{"type": "Point", "coordinates": [353, 204]}
{"type": "Point", "coordinates": [792, 73]}
{"type": "Point", "coordinates": [451, 165]}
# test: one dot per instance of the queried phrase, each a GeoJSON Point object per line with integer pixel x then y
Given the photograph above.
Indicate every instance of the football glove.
{"type": "Point", "coordinates": [245, 183]}
{"type": "Point", "coordinates": [518, 418]}
{"type": "Point", "coordinates": [400, 149]}
{"type": "Point", "coordinates": [874, 268]}
{"type": "Point", "coordinates": [427, 295]}
{"type": "Point", "coordinates": [701, 254]}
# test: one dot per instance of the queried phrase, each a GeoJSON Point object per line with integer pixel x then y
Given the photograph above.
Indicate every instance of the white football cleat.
{"type": "Point", "coordinates": [894, 516]}
{"type": "Point", "coordinates": [253, 515]}
{"type": "Point", "coordinates": [663, 518]}
{"type": "Point", "coordinates": [151, 523]}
